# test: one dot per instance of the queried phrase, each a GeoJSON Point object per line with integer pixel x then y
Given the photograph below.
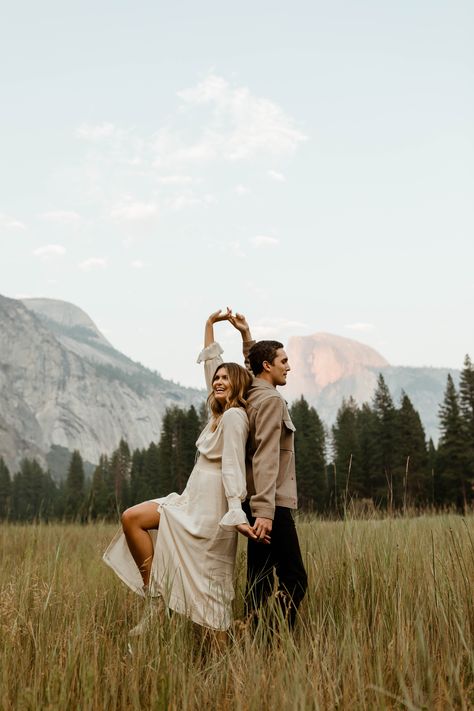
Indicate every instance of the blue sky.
{"type": "Point", "coordinates": [309, 164]}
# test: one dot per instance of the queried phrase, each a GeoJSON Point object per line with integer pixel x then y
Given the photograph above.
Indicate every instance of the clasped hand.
{"type": "Point", "coordinates": [237, 320]}
{"type": "Point", "coordinates": [260, 532]}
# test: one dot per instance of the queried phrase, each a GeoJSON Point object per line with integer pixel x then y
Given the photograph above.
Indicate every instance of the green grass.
{"type": "Point", "coordinates": [388, 623]}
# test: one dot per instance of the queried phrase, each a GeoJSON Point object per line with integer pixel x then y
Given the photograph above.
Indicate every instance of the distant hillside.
{"type": "Point", "coordinates": [328, 368]}
{"type": "Point", "coordinates": [63, 385]}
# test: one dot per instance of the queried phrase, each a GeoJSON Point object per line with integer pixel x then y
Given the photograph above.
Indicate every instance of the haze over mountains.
{"type": "Point", "coordinates": [63, 386]}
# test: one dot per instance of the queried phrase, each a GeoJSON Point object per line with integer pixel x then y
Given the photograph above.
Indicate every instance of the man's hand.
{"type": "Point", "coordinates": [248, 532]}
{"type": "Point", "coordinates": [262, 528]}
{"type": "Point", "coordinates": [240, 323]}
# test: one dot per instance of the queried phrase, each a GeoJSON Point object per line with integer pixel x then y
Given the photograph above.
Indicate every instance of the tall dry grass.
{"type": "Point", "coordinates": [388, 623]}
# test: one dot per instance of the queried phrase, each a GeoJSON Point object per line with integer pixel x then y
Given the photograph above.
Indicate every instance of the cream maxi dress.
{"type": "Point", "coordinates": [195, 546]}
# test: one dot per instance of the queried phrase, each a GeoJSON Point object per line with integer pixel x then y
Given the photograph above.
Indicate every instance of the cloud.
{"type": "Point", "coordinates": [175, 179]}
{"type": "Point", "coordinates": [49, 251]}
{"type": "Point", "coordinates": [181, 202]}
{"type": "Point", "coordinates": [236, 250]}
{"type": "Point", "coordinates": [97, 132]}
{"type": "Point", "coordinates": [264, 241]}
{"type": "Point", "coordinates": [137, 264]}
{"type": "Point", "coordinates": [133, 210]}
{"type": "Point", "coordinates": [64, 217]}
{"type": "Point", "coordinates": [10, 223]}
{"type": "Point", "coordinates": [360, 326]}
{"type": "Point", "coordinates": [275, 175]}
{"type": "Point", "coordinates": [93, 263]}
{"type": "Point", "coordinates": [238, 126]}
{"type": "Point", "coordinates": [241, 190]}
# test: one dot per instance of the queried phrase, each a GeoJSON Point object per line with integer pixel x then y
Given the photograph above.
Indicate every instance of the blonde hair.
{"type": "Point", "coordinates": [240, 380]}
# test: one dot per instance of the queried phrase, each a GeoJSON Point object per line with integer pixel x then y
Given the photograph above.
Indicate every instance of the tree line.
{"type": "Point", "coordinates": [375, 454]}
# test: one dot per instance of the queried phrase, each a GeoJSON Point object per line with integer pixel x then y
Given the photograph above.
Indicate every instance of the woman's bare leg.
{"type": "Point", "coordinates": [136, 522]}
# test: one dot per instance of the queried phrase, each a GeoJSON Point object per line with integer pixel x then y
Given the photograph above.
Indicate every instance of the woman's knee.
{"type": "Point", "coordinates": [129, 518]}
{"type": "Point", "coordinates": [145, 516]}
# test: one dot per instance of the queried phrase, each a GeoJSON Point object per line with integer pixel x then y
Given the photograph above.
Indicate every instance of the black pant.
{"type": "Point", "coordinates": [282, 554]}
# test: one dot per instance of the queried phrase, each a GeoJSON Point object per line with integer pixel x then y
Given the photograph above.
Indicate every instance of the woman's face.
{"type": "Point", "coordinates": [221, 386]}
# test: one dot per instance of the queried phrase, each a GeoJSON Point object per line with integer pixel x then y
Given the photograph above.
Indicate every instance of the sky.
{"type": "Point", "coordinates": [308, 164]}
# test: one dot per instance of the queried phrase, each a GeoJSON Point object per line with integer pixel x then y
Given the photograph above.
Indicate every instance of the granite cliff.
{"type": "Point", "coordinates": [62, 384]}
{"type": "Point", "coordinates": [326, 368]}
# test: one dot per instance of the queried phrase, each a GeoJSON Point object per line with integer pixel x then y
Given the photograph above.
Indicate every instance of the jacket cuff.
{"type": "Point", "coordinates": [262, 512]}
{"type": "Point", "coordinates": [210, 352]}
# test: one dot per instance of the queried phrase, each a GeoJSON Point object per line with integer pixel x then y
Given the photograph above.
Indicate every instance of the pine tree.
{"type": "Point", "coordinates": [347, 455]}
{"type": "Point", "coordinates": [151, 471]}
{"type": "Point", "coordinates": [5, 490]}
{"type": "Point", "coordinates": [309, 456]}
{"type": "Point", "coordinates": [75, 488]}
{"type": "Point", "coordinates": [385, 486]}
{"type": "Point", "coordinates": [33, 492]}
{"type": "Point", "coordinates": [102, 495]}
{"type": "Point", "coordinates": [452, 455]}
{"type": "Point", "coordinates": [466, 403]}
{"type": "Point", "coordinates": [119, 472]}
{"type": "Point", "coordinates": [203, 416]}
{"type": "Point", "coordinates": [140, 488]}
{"type": "Point", "coordinates": [372, 481]}
{"type": "Point", "coordinates": [177, 448]}
{"type": "Point", "coordinates": [412, 457]}
{"type": "Point", "coordinates": [432, 468]}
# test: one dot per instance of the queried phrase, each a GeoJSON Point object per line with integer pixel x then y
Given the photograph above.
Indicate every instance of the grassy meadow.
{"type": "Point", "coordinates": [388, 623]}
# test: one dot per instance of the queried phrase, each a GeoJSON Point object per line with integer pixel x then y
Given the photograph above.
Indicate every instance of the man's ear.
{"type": "Point", "coordinates": [266, 365]}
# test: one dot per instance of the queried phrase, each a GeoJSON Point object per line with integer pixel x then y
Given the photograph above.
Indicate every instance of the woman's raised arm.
{"type": "Point", "coordinates": [209, 328]}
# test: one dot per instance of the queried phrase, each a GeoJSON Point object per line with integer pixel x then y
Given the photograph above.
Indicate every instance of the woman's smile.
{"type": "Point", "coordinates": [221, 385]}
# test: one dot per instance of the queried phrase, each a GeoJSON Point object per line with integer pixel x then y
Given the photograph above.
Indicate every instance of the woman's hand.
{"type": "Point", "coordinates": [220, 316]}
{"type": "Point", "coordinates": [214, 318]}
{"type": "Point", "coordinates": [248, 532]}
{"type": "Point", "coordinates": [240, 323]}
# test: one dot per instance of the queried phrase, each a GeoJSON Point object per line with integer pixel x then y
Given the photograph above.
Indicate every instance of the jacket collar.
{"type": "Point", "coordinates": [261, 383]}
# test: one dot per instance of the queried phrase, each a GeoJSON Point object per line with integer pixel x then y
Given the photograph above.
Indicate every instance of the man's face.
{"type": "Point", "coordinates": [279, 368]}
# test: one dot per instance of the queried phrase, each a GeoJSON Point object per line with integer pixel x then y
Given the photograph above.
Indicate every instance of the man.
{"type": "Point", "coordinates": [271, 480]}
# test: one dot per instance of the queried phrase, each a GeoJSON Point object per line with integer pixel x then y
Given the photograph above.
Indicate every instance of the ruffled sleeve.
{"type": "Point", "coordinates": [235, 429]}
{"type": "Point", "coordinates": [211, 357]}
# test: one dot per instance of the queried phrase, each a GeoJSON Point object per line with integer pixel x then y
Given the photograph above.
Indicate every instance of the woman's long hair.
{"type": "Point", "coordinates": [240, 380]}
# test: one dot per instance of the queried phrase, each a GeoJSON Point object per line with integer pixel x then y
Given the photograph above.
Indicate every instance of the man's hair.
{"type": "Point", "coordinates": [263, 351]}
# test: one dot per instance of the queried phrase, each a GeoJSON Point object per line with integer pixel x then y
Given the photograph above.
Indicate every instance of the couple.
{"type": "Point", "coordinates": [180, 549]}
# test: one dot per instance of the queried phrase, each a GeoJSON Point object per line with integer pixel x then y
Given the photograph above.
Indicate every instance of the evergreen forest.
{"type": "Point", "coordinates": [375, 456]}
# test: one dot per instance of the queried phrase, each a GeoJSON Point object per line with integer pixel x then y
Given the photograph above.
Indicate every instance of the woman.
{"type": "Point", "coordinates": [191, 564]}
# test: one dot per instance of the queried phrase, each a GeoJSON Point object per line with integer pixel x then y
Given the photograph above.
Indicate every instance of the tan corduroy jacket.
{"type": "Point", "coordinates": [270, 459]}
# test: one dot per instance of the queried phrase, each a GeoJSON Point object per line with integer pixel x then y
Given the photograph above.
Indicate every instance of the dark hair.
{"type": "Point", "coordinates": [240, 380]}
{"type": "Point", "coordinates": [263, 351]}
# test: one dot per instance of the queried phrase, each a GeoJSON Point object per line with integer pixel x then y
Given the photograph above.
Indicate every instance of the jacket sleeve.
{"type": "Point", "coordinates": [211, 357]}
{"type": "Point", "coordinates": [235, 429]}
{"type": "Point", "coordinates": [266, 459]}
{"type": "Point", "coordinates": [246, 346]}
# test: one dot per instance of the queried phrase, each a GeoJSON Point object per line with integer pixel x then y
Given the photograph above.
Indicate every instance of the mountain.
{"type": "Point", "coordinates": [326, 368]}
{"type": "Point", "coordinates": [63, 386]}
